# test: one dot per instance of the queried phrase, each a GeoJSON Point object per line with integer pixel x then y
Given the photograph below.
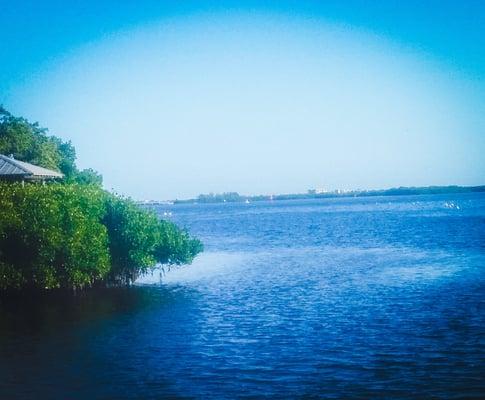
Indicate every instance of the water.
{"type": "Point", "coordinates": [337, 298]}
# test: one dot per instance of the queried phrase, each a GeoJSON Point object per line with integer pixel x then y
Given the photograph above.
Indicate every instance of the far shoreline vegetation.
{"type": "Point", "coordinates": [234, 197]}
{"type": "Point", "coordinates": [70, 233]}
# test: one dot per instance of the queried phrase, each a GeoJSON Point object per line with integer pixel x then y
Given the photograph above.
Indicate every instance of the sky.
{"type": "Point", "coordinates": [171, 99]}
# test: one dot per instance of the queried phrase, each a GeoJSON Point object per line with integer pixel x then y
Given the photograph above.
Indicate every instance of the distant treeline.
{"type": "Point", "coordinates": [400, 191]}
{"type": "Point", "coordinates": [71, 233]}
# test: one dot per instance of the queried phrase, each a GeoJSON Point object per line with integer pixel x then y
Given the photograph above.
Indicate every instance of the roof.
{"type": "Point", "coordinates": [10, 167]}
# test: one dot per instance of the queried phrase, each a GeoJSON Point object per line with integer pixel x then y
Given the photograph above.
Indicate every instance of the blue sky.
{"type": "Point", "coordinates": [172, 99]}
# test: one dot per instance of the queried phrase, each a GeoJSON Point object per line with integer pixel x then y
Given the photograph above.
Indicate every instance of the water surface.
{"type": "Point", "coordinates": [337, 298]}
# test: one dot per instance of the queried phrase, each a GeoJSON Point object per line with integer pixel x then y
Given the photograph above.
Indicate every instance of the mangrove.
{"type": "Point", "coordinates": [71, 233]}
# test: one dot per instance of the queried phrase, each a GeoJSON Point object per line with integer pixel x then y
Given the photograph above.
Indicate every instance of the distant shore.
{"type": "Point", "coordinates": [234, 197]}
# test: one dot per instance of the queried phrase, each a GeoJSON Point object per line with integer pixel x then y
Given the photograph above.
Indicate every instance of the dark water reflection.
{"type": "Point", "coordinates": [100, 343]}
{"type": "Point", "coordinates": [347, 298]}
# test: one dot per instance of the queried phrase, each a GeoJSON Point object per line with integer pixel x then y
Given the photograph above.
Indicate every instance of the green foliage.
{"type": "Point", "coordinates": [133, 237]}
{"type": "Point", "coordinates": [138, 240]}
{"type": "Point", "coordinates": [175, 246]}
{"type": "Point", "coordinates": [87, 177]}
{"type": "Point", "coordinates": [75, 236]}
{"type": "Point", "coordinates": [50, 236]}
{"type": "Point", "coordinates": [218, 198]}
{"type": "Point", "coordinates": [29, 142]}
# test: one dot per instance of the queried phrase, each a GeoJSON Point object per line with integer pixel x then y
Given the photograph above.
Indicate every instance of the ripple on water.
{"type": "Point", "coordinates": [345, 298]}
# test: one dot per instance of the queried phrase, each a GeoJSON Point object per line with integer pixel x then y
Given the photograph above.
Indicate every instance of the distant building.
{"type": "Point", "coordinates": [15, 170]}
{"type": "Point", "coordinates": [317, 191]}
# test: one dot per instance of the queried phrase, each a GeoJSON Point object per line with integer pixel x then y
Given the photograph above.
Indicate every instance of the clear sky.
{"type": "Point", "coordinates": [172, 99]}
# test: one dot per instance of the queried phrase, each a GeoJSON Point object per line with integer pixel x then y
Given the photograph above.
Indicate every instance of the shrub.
{"type": "Point", "coordinates": [76, 236]}
{"type": "Point", "coordinates": [50, 236]}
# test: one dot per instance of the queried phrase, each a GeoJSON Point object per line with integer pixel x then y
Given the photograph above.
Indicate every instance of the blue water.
{"type": "Point", "coordinates": [337, 298]}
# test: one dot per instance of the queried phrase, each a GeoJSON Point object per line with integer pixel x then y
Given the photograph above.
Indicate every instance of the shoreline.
{"type": "Point", "coordinates": [233, 197]}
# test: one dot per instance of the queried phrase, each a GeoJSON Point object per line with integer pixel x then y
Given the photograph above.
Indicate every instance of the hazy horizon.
{"type": "Point", "coordinates": [173, 100]}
